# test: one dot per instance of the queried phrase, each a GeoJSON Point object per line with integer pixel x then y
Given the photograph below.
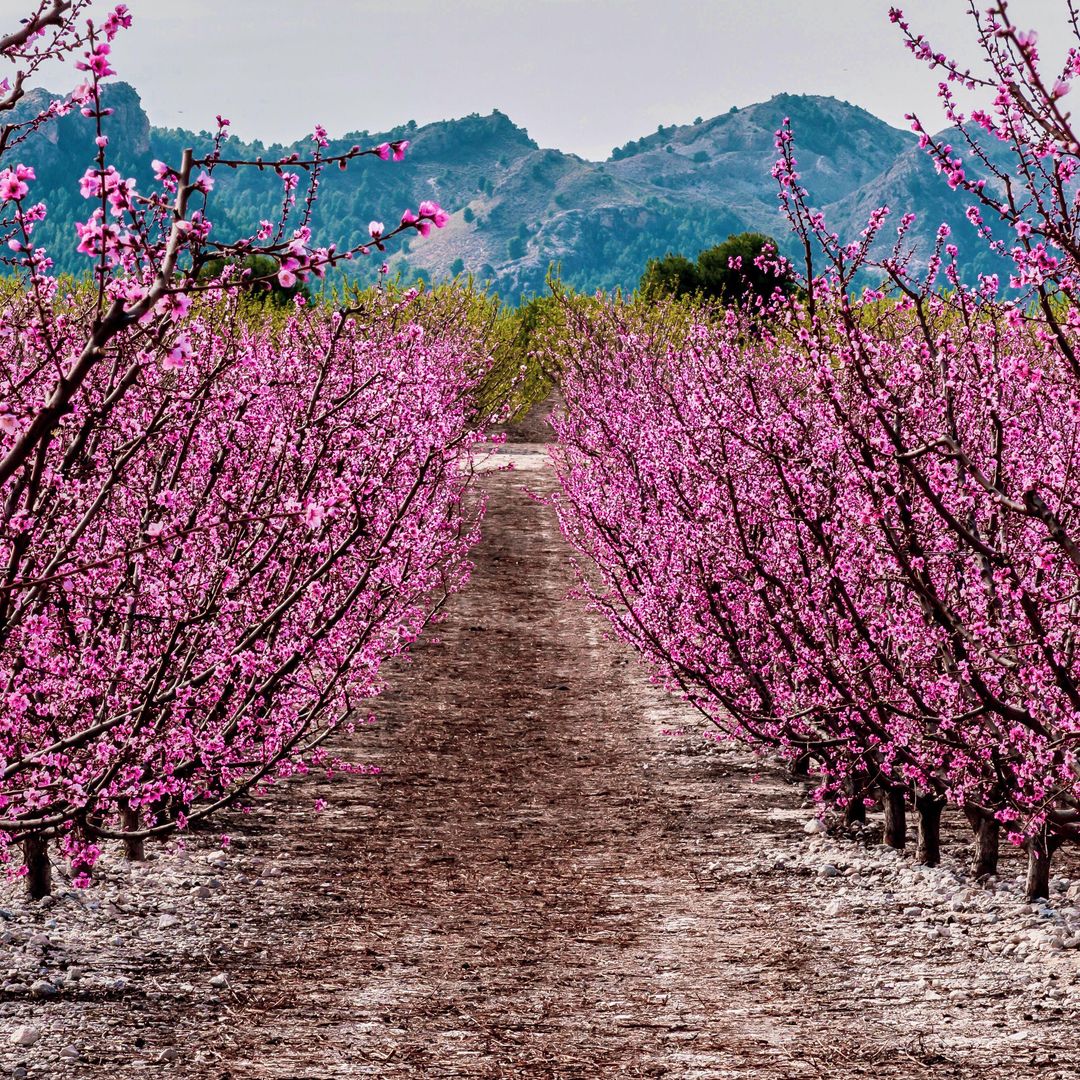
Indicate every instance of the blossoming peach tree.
{"type": "Point", "coordinates": [843, 524]}
{"type": "Point", "coordinates": [217, 522]}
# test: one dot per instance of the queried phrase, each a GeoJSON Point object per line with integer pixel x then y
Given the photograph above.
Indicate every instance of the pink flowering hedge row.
{"type": "Point", "coordinates": [209, 569]}
{"type": "Point", "coordinates": [785, 532]}
{"type": "Point", "coordinates": [217, 521]}
{"type": "Point", "coordinates": [845, 524]}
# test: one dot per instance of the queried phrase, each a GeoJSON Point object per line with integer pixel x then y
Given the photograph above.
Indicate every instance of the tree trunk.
{"type": "Point", "coordinates": [800, 766]}
{"type": "Point", "coordinates": [854, 811]}
{"type": "Point", "coordinates": [855, 808]}
{"type": "Point", "coordinates": [134, 846]}
{"type": "Point", "coordinates": [928, 847]}
{"type": "Point", "coordinates": [1040, 848]}
{"type": "Point", "coordinates": [984, 864]}
{"type": "Point", "coordinates": [38, 867]}
{"type": "Point", "coordinates": [895, 818]}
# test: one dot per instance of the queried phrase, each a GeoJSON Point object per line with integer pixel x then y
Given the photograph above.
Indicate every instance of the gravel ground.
{"type": "Point", "coordinates": [556, 875]}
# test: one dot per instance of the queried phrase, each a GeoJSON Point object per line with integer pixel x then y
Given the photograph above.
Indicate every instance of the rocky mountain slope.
{"type": "Point", "coordinates": [517, 208]}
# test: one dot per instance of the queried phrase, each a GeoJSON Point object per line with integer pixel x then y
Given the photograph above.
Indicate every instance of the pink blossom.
{"type": "Point", "coordinates": [117, 20]}
{"type": "Point", "coordinates": [97, 61]}
{"type": "Point", "coordinates": [13, 183]}
{"type": "Point", "coordinates": [435, 212]}
{"type": "Point", "coordinates": [178, 355]}
{"type": "Point", "coordinates": [313, 515]}
{"type": "Point", "coordinates": [287, 273]}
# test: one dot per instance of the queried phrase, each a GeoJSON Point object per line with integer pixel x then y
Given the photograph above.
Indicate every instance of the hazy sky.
{"type": "Point", "coordinates": [581, 75]}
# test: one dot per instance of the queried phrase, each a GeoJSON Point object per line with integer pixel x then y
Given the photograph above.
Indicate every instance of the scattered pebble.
{"type": "Point", "coordinates": [42, 988]}
{"type": "Point", "coordinates": [25, 1035]}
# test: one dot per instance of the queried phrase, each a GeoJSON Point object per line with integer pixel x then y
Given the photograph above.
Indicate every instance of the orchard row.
{"type": "Point", "coordinates": [843, 519]}
{"type": "Point", "coordinates": [224, 508]}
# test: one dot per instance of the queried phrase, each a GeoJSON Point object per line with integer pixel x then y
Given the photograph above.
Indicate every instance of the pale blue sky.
{"type": "Point", "coordinates": [581, 75]}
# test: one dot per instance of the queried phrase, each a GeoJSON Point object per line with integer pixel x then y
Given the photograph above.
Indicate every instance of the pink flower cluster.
{"type": "Point", "coordinates": [14, 183]}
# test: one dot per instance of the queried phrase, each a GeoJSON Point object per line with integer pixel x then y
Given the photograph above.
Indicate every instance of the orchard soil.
{"type": "Point", "coordinates": [555, 876]}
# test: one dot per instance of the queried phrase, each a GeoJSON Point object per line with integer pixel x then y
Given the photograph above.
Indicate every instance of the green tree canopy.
{"type": "Point", "coordinates": [728, 272]}
{"type": "Point", "coordinates": [261, 271]}
{"type": "Point", "coordinates": [673, 275]}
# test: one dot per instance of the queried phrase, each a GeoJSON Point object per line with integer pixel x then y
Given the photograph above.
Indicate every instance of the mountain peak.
{"type": "Point", "coordinates": [516, 208]}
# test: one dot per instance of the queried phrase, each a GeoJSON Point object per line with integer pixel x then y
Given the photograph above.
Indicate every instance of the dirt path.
{"type": "Point", "coordinates": [544, 882]}
{"type": "Point", "coordinates": [521, 894]}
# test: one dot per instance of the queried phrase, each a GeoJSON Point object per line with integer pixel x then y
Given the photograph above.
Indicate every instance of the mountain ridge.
{"type": "Point", "coordinates": [517, 207]}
